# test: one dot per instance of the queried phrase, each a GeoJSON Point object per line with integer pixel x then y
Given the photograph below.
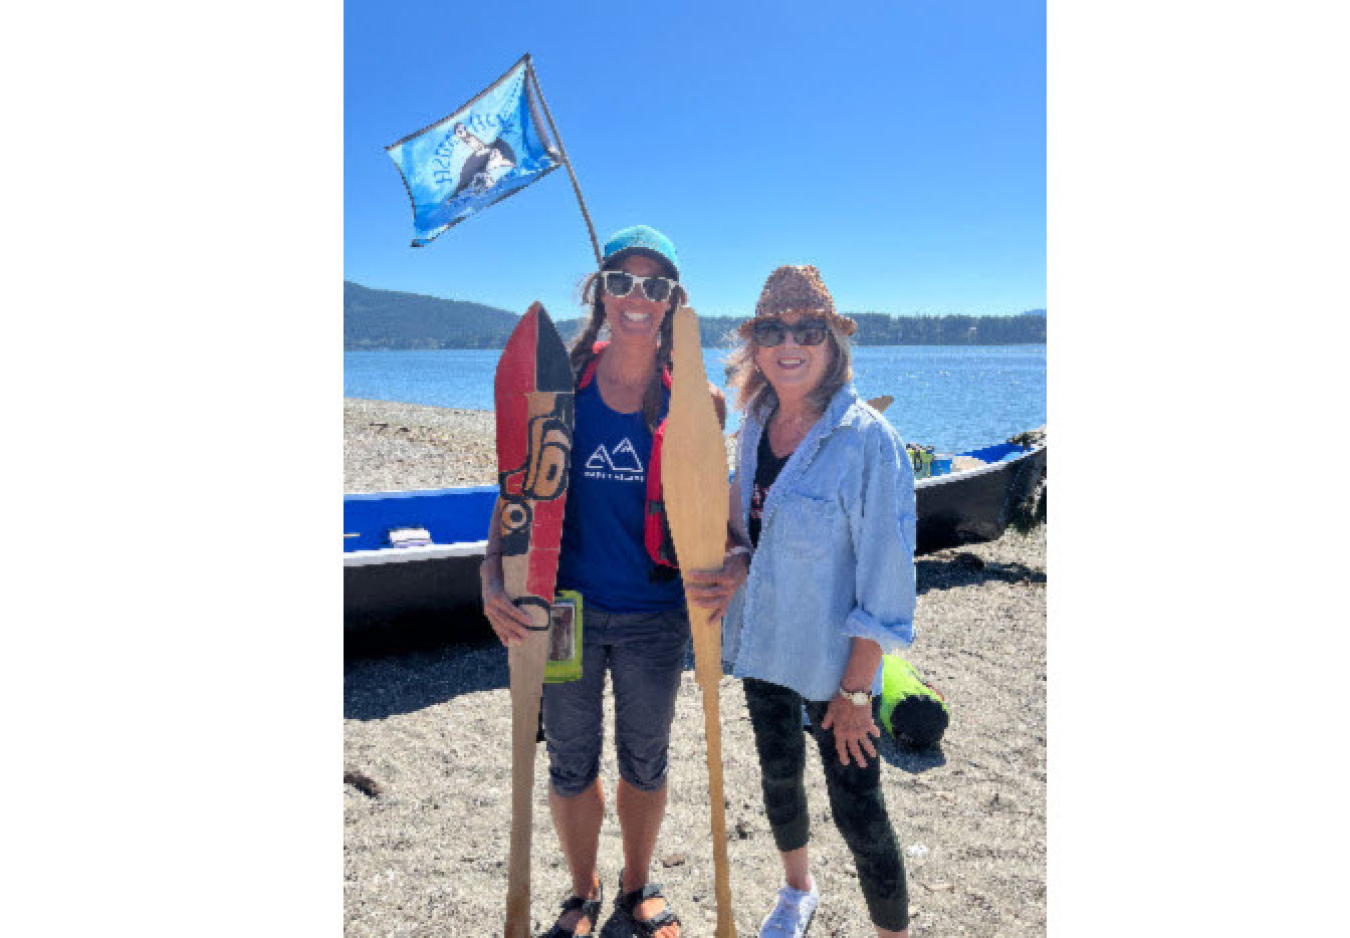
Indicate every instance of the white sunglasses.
{"type": "Point", "coordinates": [621, 283]}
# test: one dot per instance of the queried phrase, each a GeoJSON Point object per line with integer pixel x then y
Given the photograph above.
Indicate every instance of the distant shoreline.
{"type": "Point", "coordinates": [491, 348]}
{"type": "Point", "coordinates": [375, 320]}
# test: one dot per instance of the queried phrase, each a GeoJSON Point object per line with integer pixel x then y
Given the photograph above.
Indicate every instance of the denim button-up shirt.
{"type": "Point", "coordinates": [835, 559]}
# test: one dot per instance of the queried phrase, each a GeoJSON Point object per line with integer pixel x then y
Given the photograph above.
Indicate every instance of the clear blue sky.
{"type": "Point", "coordinates": [899, 146]}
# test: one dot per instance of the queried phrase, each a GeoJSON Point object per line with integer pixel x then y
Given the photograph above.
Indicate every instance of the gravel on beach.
{"type": "Point", "coordinates": [389, 446]}
{"type": "Point", "coordinates": [427, 764]}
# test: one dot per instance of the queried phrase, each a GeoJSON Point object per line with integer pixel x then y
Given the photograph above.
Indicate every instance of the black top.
{"type": "Point", "coordinates": [767, 467]}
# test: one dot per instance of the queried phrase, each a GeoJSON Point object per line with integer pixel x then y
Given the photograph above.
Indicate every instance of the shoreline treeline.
{"type": "Point", "coordinates": [389, 319]}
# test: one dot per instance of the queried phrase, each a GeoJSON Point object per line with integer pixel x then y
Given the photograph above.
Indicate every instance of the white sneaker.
{"type": "Point", "coordinates": [791, 915]}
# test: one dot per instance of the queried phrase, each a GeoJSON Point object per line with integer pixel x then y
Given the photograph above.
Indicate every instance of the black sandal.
{"type": "Point", "coordinates": [627, 903]}
{"type": "Point", "coordinates": [590, 908]}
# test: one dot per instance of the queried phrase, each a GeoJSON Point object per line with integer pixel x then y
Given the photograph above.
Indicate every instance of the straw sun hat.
{"type": "Point", "coordinates": [797, 288]}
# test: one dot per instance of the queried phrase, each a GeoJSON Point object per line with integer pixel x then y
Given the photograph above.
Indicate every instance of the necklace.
{"type": "Point", "coordinates": [785, 433]}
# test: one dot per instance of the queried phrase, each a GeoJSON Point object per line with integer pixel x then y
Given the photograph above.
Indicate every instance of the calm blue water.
{"type": "Point", "coordinates": [950, 397]}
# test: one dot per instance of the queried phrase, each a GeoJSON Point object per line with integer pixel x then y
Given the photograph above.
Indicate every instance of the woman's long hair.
{"type": "Point", "coordinates": [583, 352]}
{"type": "Point", "coordinates": [756, 396]}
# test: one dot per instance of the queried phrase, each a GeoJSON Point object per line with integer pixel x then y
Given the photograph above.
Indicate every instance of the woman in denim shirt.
{"type": "Point", "coordinates": [824, 499]}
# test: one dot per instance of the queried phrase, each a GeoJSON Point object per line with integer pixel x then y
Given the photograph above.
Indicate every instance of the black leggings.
{"type": "Point", "coordinates": [855, 797]}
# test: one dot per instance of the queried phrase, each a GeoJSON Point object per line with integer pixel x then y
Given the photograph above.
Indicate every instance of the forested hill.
{"type": "Point", "coordinates": [389, 319]}
{"type": "Point", "coordinates": [880, 329]}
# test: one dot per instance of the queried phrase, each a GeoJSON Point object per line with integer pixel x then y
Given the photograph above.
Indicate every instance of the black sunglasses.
{"type": "Point", "coordinates": [771, 332]}
{"type": "Point", "coordinates": [621, 283]}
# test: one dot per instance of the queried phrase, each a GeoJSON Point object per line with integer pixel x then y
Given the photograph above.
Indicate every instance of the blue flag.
{"type": "Point", "coordinates": [488, 149]}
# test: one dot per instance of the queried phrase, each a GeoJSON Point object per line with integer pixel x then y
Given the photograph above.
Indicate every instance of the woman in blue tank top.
{"type": "Point", "coordinates": [615, 552]}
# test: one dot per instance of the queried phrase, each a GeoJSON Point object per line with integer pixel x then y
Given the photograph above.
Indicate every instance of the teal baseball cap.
{"type": "Point", "coordinates": [644, 240]}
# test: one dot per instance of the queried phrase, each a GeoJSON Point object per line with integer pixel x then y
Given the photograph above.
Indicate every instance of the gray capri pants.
{"type": "Point", "coordinates": [645, 654]}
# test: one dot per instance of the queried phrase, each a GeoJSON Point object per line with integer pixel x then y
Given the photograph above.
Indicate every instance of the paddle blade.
{"type": "Point", "coordinates": [533, 388]}
{"type": "Point", "coordinates": [694, 460]}
{"type": "Point", "coordinates": [694, 484]}
{"type": "Point", "coordinates": [534, 360]}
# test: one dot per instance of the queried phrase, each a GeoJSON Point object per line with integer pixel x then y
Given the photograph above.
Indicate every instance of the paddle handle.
{"type": "Point", "coordinates": [707, 674]}
{"type": "Point", "coordinates": [726, 927]}
{"type": "Point", "coordinates": [527, 662]}
{"type": "Point", "coordinates": [707, 647]}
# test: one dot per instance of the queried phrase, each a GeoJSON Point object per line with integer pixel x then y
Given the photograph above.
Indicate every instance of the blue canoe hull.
{"type": "Point", "coordinates": [425, 584]}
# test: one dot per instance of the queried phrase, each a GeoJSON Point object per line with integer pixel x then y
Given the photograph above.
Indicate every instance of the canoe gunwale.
{"type": "Point", "coordinates": [360, 558]}
{"type": "Point", "coordinates": [366, 558]}
{"type": "Point", "coordinates": [439, 579]}
{"type": "Point", "coordinates": [966, 474]}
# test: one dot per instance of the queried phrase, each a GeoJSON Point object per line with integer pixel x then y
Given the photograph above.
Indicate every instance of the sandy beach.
{"type": "Point", "coordinates": [427, 754]}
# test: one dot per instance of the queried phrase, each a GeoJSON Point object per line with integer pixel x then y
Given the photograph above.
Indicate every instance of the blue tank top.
{"type": "Point", "coordinates": [604, 556]}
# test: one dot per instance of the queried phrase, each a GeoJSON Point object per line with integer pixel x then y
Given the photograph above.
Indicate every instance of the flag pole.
{"type": "Point", "coordinates": [576, 187]}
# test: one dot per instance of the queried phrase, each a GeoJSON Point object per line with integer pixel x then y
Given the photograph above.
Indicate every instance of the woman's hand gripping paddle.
{"type": "Point", "coordinates": [534, 444]}
{"type": "Point", "coordinates": [695, 489]}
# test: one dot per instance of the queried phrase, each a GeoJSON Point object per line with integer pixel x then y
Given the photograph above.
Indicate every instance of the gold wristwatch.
{"type": "Point", "coordinates": [859, 698]}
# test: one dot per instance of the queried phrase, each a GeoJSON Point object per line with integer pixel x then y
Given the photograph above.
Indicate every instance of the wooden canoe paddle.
{"type": "Point", "coordinates": [695, 489]}
{"type": "Point", "coordinates": [534, 402]}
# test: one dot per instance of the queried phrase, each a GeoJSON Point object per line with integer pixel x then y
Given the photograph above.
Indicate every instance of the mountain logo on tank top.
{"type": "Point", "coordinates": [620, 463]}
{"type": "Point", "coordinates": [624, 458]}
{"type": "Point", "coordinates": [599, 459]}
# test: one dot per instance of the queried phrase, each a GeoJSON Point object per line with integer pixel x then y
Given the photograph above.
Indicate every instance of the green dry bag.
{"type": "Point", "coordinates": [912, 710]}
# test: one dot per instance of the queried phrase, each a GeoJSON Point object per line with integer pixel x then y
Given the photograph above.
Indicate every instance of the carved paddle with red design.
{"type": "Point", "coordinates": [695, 487]}
{"type": "Point", "coordinates": [534, 445]}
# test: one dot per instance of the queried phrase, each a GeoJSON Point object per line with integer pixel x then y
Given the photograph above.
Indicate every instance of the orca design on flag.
{"type": "Point", "coordinates": [490, 148]}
